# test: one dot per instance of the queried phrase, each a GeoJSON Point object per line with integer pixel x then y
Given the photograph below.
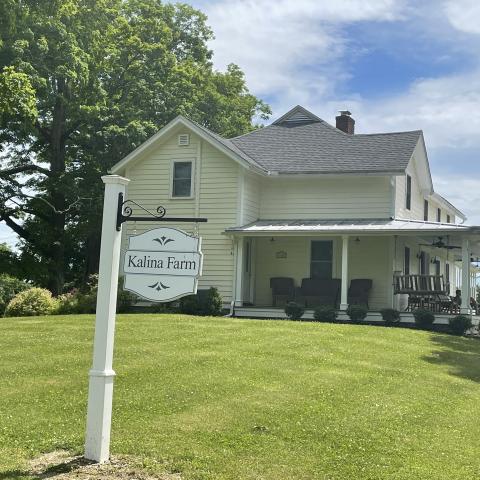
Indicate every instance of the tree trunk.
{"type": "Point", "coordinates": [56, 267]}
{"type": "Point", "coordinates": [92, 253]}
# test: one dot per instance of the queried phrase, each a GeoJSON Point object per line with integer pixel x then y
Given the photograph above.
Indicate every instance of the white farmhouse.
{"type": "Point", "coordinates": [313, 207]}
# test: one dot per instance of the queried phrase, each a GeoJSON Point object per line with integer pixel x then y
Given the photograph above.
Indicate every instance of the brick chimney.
{"type": "Point", "coordinates": [345, 122]}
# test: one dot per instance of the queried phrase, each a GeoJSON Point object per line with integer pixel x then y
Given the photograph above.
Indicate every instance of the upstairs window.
{"type": "Point", "coordinates": [439, 215]}
{"type": "Point", "coordinates": [182, 179]}
{"type": "Point", "coordinates": [448, 219]}
{"type": "Point", "coordinates": [408, 200]}
{"type": "Point", "coordinates": [425, 210]}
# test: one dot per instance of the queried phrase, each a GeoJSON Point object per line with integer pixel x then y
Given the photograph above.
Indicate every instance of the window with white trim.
{"type": "Point", "coordinates": [408, 198]}
{"type": "Point", "coordinates": [321, 259]}
{"type": "Point", "coordinates": [182, 179]}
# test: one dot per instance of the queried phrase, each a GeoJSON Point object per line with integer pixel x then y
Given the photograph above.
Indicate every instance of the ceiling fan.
{"type": "Point", "coordinates": [439, 244]}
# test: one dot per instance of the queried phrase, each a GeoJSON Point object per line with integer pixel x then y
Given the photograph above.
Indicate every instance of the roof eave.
{"type": "Point", "coordinates": [447, 204]}
{"type": "Point", "coordinates": [338, 172]}
{"type": "Point", "coordinates": [202, 133]}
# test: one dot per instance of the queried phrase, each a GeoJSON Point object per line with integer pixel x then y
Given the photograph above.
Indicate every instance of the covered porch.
{"type": "Point", "coordinates": [382, 253]}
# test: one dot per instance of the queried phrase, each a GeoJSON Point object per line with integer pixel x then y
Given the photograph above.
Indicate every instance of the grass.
{"type": "Point", "coordinates": [216, 398]}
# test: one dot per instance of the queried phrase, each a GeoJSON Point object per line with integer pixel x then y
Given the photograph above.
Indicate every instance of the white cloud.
{"type": "Point", "coordinates": [464, 15]}
{"type": "Point", "coordinates": [463, 191]}
{"type": "Point", "coordinates": [273, 41]}
{"type": "Point", "coordinates": [445, 108]}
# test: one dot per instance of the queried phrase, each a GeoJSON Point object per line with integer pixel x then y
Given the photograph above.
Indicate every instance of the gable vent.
{"type": "Point", "coordinates": [298, 117]}
{"type": "Point", "coordinates": [183, 139]}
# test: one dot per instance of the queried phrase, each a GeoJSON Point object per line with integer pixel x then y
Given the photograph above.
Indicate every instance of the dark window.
{"type": "Point", "coordinates": [437, 267]}
{"type": "Point", "coordinates": [182, 179]}
{"type": "Point", "coordinates": [448, 219]}
{"type": "Point", "coordinates": [424, 260]}
{"type": "Point", "coordinates": [447, 277]}
{"type": "Point", "coordinates": [321, 259]}
{"type": "Point", "coordinates": [406, 267]}
{"type": "Point", "coordinates": [439, 215]}
{"type": "Point", "coordinates": [247, 257]}
{"type": "Point", "coordinates": [409, 193]}
{"type": "Point", "coordinates": [425, 210]}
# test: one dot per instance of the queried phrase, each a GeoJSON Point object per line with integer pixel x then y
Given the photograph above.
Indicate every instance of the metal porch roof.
{"type": "Point", "coordinates": [396, 225]}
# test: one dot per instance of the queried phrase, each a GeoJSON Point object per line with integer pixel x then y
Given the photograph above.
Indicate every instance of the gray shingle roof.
{"type": "Point", "coordinates": [316, 147]}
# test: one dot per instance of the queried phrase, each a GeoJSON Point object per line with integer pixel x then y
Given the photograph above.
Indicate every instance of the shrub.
{"type": "Point", "coordinates": [205, 302]}
{"type": "Point", "coordinates": [460, 324]}
{"type": "Point", "coordinates": [76, 301]}
{"type": "Point", "coordinates": [390, 316]}
{"type": "Point", "coordinates": [325, 313]}
{"type": "Point", "coordinates": [125, 298]}
{"type": "Point", "coordinates": [168, 307]}
{"type": "Point", "coordinates": [424, 318]}
{"type": "Point", "coordinates": [68, 303]}
{"type": "Point", "coordinates": [34, 301]}
{"type": "Point", "coordinates": [9, 287]}
{"type": "Point", "coordinates": [294, 311]}
{"type": "Point", "coordinates": [357, 312]}
{"type": "Point", "coordinates": [85, 301]}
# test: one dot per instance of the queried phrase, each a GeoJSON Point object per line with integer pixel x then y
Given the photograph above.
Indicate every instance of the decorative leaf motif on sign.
{"type": "Point", "coordinates": [158, 286]}
{"type": "Point", "coordinates": [163, 240]}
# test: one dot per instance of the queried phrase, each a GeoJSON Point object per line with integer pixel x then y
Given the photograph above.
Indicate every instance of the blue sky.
{"type": "Point", "coordinates": [395, 64]}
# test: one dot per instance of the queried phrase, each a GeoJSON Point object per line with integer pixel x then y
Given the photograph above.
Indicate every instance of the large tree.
{"type": "Point", "coordinates": [82, 83]}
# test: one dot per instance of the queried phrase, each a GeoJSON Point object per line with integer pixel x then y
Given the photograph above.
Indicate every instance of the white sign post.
{"type": "Point", "coordinates": [161, 265]}
{"type": "Point", "coordinates": [100, 390]}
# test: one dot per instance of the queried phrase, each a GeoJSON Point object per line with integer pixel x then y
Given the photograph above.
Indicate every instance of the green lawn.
{"type": "Point", "coordinates": [216, 398]}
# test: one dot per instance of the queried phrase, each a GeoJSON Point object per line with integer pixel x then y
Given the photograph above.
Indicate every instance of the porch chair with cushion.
{"type": "Point", "coordinates": [283, 290]}
{"type": "Point", "coordinates": [319, 291]}
{"type": "Point", "coordinates": [359, 291]}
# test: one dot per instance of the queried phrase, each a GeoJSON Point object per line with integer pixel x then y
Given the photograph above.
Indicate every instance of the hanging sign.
{"type": "Point", "coordinates": [163, 264]}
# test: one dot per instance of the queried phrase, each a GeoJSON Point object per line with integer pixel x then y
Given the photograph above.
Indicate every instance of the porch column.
{"type": "Point", "coordinates": [344, 290]}
{"type": "Point", "coordinates": [465, 308]}
{"type": "Point", "coordinates": [238, 297]}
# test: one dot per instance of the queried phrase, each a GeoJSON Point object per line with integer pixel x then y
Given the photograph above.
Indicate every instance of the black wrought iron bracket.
{"type": "Point", "coordinates": [125, 211]}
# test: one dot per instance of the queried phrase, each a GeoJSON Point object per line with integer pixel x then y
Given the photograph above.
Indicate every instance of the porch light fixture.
{"type": "Point", "coordinates": [272, 240]}
{"type": "Point", "coordinates": [357, 240]}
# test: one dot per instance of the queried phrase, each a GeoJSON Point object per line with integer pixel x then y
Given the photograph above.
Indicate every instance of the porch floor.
{"type": "Point", "coordinates": [372, 316]}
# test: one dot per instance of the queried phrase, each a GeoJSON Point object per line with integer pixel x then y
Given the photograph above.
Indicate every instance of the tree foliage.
{"type": "Point", "coordinates": [92, 80]}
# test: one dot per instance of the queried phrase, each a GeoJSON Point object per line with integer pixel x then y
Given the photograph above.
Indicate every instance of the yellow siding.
{"type": "Point", "coordinates": [251, 198]}
{"type": "Point", "coordinates": [216, 199]}
{"type": "Point", "coordinates": [322, 198]}
{"type": "Point", "coordinates": [372, 257]}
{"type": "Point", "coordinates": [418, 197]}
